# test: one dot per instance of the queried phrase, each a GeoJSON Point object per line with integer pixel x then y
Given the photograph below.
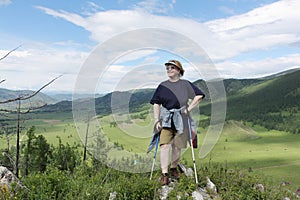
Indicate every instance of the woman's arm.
{"type": "Point", "coordinates": [196, 100]}
{"type": "Point", "coordinates": [156, 112]}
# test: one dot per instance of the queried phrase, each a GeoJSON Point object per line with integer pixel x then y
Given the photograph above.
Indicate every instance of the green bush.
{"type": "Point", "coordinates": [87, 183]}
{"type": "Point", "coordinates": [235, 184]}
{"type": "Point", "coordinates": [81, 184]}
{"type": "Point", "coordinates": [68, 178]}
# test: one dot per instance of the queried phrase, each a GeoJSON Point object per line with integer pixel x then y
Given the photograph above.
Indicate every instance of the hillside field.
{"type": "Point", "coordinates": [272, 153]}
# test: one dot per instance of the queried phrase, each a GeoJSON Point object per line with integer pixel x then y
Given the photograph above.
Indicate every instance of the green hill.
{"type": "Point", "coordinates": [137, 100]}
{"type": "Point", "coordinates": [272, 101]}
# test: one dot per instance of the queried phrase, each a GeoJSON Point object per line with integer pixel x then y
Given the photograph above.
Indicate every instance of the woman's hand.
{"type": "Point", "coordinates": [158, 125]}
{"type": "Point", "coordinates": [185, 111]}
{"type": "Point", "coordinates": [193, 104]}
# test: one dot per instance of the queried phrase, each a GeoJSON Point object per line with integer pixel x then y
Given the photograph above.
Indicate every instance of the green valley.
{"type": "Point", "coordinates": [260, 135]}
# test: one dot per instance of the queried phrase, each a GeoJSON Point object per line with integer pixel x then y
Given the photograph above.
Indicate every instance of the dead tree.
{"type": "Point", "coordinates": [19, 113]}
{"type": "Point", "coordinates": [9, 52]}
{"type": "Point", "coordinates": [86, 138]}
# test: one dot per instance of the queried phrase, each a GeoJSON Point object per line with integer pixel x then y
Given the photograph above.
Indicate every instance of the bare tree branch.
{"type": "Point", "coordinates": [33, 108]}
{"type": "Point", "coordinates": [8, 111]}
{"type": "Point", "coordinates": [10, 52]}
{"type": "Point", "coordinates": [20, 99]}
{"type": "Point", "coordinates": [6, 56]}
{"type": "Point", "coordinates": [25, 97]}
{"type": "Point", "coordinates": [28, 97]}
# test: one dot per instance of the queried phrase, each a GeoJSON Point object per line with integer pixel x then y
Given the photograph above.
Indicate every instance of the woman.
{"type": "Point", "coordinates": [171, 110]}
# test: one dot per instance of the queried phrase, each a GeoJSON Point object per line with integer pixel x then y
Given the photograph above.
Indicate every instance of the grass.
{"type": "Point", "coordinates": [256, 87]}
{"type": "Point", "coordinates": [50, 125]}
{"type": "Point", "coordinates": [272, 153]}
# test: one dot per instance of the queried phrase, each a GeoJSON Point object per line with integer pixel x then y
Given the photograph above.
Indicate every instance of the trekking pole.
{"type": "Point", "coordinates": [154, 156]}
{"type": "Point", "coordinates": [193, 155]}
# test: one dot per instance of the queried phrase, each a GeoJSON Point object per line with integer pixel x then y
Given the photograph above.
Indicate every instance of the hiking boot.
{"type": "Point", "coordinates": [174, 173]}
{"type": "Point", "coordinates": [164, 179]}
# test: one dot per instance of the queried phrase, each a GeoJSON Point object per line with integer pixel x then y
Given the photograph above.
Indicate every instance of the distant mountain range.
{"type": "Point", "coordinates": [67, 96]}
{"type": "Point", "coordinates": [41, 98]}
{"type": "Point", "coordinates": [272, 101]}
{"type": "Point", "coordinates": [38, 100]}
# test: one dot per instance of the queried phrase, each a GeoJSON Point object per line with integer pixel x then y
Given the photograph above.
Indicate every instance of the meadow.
{"type": "Point", "coordinates": [271, 153]}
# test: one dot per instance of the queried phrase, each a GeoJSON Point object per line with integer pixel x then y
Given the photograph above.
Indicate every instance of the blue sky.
{"type": "Point", "coordinates": [242, 39]}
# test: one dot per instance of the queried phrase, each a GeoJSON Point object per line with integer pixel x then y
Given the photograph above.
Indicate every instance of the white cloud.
{"type": "Point", "coordinates": [223, 39]}
{"type": "Point", "coordinates": [282, 10]}
{"type": "Point", "coordinates": [71, 17]}
{"type": "Point", "coordinates": [5, 2]}
{"type": "Point", "coordinates": [104, 25]}
{"type": "Point", "coordinates": [261, 28]}
{"type": "Point", "coordinates": [91, 8]}
{"type": "Point", "coordinates": [259, 68]}
{"type": "Point", "coordinates": [28, 68]}
{"type": "Point", "coordinates": [131, 77]}
{"type": "Point", "coordinates": [154, 6]}
{"type": "Point", "coordinates": [137, 54]}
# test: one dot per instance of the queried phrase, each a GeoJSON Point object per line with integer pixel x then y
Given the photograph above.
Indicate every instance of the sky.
{"type": "Point", "coordinates": [102, 46]}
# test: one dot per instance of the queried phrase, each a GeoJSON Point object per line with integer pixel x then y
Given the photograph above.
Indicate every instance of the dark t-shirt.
{"type": "Point", "coordinates": [175, 94]}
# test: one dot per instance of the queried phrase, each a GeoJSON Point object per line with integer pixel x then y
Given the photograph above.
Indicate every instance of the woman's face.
{"type": "Point", "coordinates": [172, 71]}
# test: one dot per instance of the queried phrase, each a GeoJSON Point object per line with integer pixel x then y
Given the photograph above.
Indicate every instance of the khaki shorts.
{"type": "Point", "coordinates": [170, 136]}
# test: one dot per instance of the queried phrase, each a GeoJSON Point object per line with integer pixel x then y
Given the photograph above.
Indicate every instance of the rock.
{"type": "Point", "coordinates": [187, 171]}
{"type": "Point", "coordinates": [259, 187]}
{"type": "Point", "coordinates": [197, 195]}
{"type": "Point", "coordinates": [204, 193]}
{"type": "Point", "coordinates": [210, 186]}
{"type": "Point", "coordinates": [165, 191]}
{"type": "Point", "coordinates": [113, 195]}
{"type": "Point", "coordinates": [7, 178]}
{"type": "Point", "coordinates": [298, 193]}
